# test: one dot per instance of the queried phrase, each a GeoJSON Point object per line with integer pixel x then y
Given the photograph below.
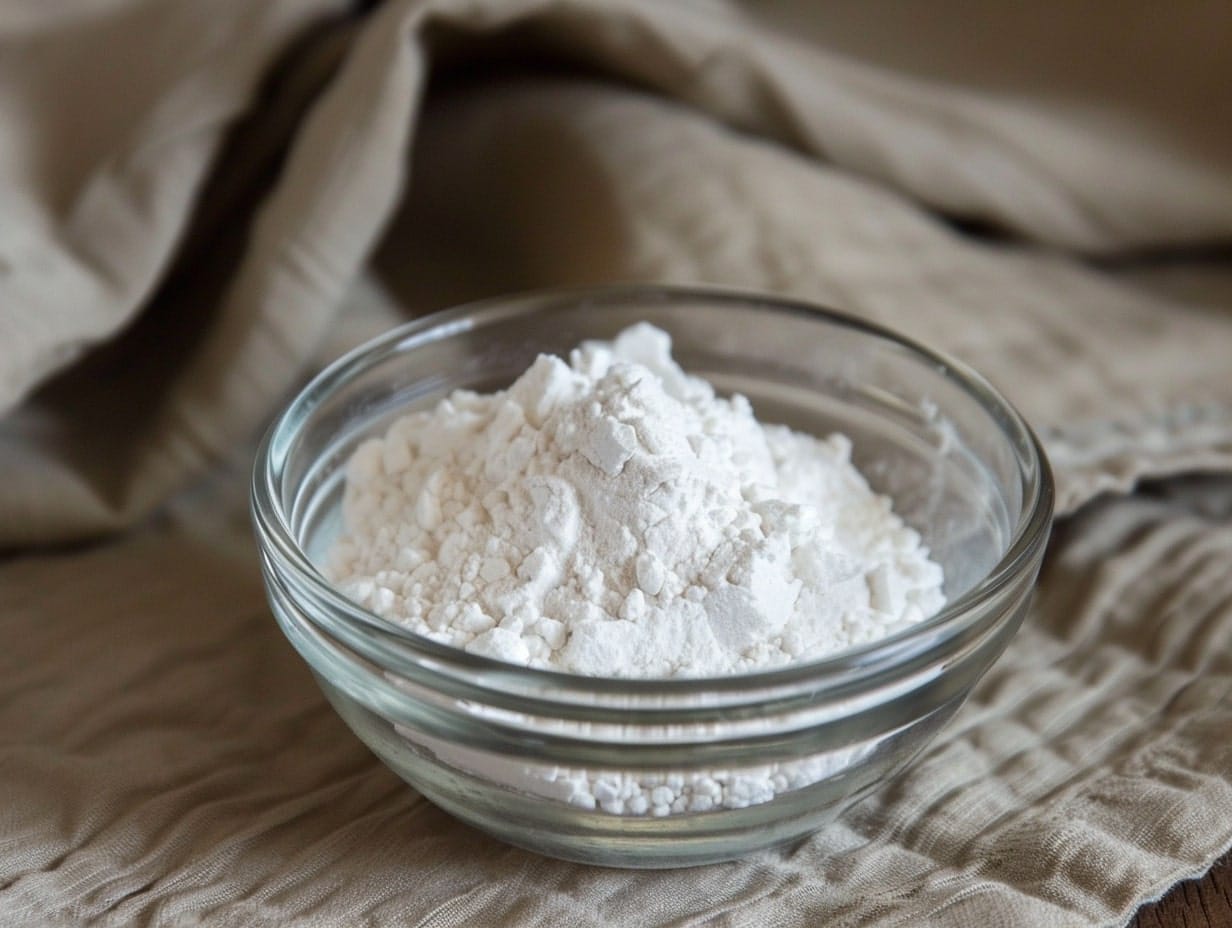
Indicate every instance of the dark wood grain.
{"type": "Point", "coordinates": [1202, 903]}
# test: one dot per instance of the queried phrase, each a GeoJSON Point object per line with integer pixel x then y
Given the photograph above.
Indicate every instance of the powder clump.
{"type": "Point", "coordinates": [612, 516]}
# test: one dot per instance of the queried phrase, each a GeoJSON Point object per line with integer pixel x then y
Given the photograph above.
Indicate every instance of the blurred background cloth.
{"type": "Point", "coordinates": [200, 202]}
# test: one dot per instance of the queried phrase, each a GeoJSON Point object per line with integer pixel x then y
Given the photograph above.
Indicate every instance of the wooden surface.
{"type": "Point", "coordinates": [1204, 903]}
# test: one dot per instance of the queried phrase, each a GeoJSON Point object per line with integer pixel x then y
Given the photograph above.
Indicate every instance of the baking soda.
{"type": "Point", "coordinates": [612, 516]}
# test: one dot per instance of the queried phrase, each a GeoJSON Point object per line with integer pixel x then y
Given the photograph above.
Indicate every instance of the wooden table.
{"type": "Point", "coordinates": [1203, 903]}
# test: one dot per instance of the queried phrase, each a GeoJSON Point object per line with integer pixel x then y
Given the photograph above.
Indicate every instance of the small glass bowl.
{"type": "Point", "coordinates": [557, 762]}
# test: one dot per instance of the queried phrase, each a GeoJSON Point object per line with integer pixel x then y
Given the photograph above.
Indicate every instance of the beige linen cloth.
{"type": "Point", "coordinates": [201, 201]}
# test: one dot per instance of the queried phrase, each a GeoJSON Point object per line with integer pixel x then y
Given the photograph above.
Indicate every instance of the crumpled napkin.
{"type": "Point", "coordinates": [191, 196]}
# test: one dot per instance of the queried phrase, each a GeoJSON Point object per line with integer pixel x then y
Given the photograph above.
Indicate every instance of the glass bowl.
{"type": "Point", "coordinates": [659, 773]}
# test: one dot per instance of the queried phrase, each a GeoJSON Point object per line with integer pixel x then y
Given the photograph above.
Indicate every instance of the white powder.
{"type": "Point", "coordinates": [612, 516]}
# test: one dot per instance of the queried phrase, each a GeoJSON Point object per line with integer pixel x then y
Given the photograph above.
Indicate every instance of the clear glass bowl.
{"type": "Point", "coordinates": [556, 762]}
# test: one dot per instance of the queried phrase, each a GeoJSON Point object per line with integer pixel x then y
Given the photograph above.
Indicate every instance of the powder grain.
{"type": "Point", "coordinates": [612, 516]}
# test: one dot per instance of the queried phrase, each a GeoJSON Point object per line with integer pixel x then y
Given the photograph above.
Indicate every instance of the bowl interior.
{"type": "Point", "coordinates": [931, 439]}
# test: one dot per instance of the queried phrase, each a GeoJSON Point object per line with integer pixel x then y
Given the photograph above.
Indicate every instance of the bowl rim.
{"type": "Point", "coordinates": [839, 669]}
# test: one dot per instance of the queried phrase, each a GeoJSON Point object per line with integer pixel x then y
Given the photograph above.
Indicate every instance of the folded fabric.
{"type": "Point", "coordinates": [180, 233]}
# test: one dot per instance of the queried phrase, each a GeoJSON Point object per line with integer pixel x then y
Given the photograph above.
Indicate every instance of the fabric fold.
{"type": "Point", "coordinates": [880, 153]}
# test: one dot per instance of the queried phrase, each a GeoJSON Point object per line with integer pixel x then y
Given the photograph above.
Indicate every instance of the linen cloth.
{"type": "Point", "coordinates": [201, 201]}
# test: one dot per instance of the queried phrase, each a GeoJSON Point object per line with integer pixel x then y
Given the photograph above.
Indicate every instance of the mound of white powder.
{"type": "Point", "coordinates": [612, 516]}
